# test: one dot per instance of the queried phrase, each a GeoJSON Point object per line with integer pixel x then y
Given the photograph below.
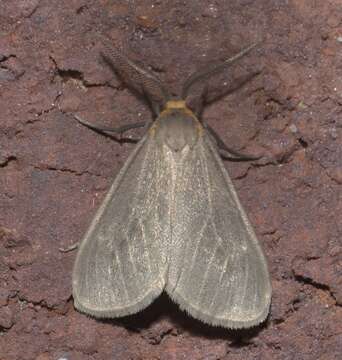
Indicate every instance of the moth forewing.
{"type": "Point", "coordinates": [120, 265]}
{"type": "Point", "coordinates": [217, 270]}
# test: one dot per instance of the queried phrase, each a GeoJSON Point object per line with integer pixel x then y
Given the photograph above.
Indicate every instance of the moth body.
{"type": "Point", "coordinates": [172, 222]}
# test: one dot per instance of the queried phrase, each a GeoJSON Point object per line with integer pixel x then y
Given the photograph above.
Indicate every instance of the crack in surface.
{"type": "Point", "coordinates": [309, 281]}
{"type": "Point", "coordinates": [74, 75]}
{"type": "Point", "coordinates": [4, 58]}
{"type": "Point", "coordinates": [40, 113]}
{"type": "Point", "coordinates": [64, 170]}
{"type": "Point", "coordinates": [7, 161]}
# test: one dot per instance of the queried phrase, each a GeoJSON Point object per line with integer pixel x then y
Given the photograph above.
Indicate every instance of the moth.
{"type": "Point", "coordinates": [172, 221]}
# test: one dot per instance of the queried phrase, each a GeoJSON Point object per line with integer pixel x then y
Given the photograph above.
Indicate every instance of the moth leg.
{"type": "Point", "coordinates": [118, 130]}
{"type": "Point", "coordinates": [69, 248]}
{"type": "Point", "coordinates": [106, 129]}
{"type": "Point", "coordinates": [225, 149]}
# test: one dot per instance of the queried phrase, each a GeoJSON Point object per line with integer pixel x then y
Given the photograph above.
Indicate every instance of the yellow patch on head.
{"type": "Point", "coordinates": [177, 105]}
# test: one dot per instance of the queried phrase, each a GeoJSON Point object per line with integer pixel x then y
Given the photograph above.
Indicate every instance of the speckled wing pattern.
{"type": "Point", "coordinates": [173, 221]}
{"type": "Point", "coordinates": [218, 272]}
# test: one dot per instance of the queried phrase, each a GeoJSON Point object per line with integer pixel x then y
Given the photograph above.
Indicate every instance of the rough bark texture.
{"type": "Point", "coordinates": [54, 172]}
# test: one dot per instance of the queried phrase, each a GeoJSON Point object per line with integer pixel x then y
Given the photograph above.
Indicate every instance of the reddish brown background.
{"type": "Point", "coordinates": [54, 172]}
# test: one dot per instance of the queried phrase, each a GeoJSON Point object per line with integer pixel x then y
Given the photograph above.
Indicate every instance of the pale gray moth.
{"type": "Point", "coordinates": [172, 221]}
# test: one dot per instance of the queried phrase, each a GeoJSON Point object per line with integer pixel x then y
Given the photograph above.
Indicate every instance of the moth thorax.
{"type": "Point", "coordinates": [177, 129]}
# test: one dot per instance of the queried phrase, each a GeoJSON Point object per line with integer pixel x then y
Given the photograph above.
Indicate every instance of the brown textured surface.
{"type": "Point", "coordinates": [54, 172]}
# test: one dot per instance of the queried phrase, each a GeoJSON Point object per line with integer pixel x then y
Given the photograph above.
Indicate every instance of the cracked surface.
{"type": "Point", "coordinates": [55, 172]}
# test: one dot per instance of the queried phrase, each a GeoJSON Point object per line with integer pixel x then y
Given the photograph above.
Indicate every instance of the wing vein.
{"type": "Point", "coordinates": [118, 261]}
